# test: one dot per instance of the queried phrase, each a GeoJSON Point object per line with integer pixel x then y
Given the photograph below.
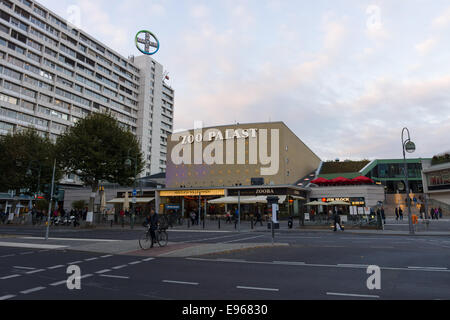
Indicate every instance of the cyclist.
{"type": "Point", "coordinates": [152, 221]}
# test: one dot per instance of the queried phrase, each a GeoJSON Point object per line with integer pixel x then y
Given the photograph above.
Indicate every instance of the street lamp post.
{"type": "Point", "coordinates": [128, 164]}
{"type": "Point", "coordinates": [408, 146]}
{"type": "Point", "coordinates": [51, 199]}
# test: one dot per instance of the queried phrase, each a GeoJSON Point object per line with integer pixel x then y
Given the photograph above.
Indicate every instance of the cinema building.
{"type": "Point", "coordinates": [217, 168]}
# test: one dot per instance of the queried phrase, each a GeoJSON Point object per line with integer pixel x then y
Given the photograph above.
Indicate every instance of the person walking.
{"type": "Point", "coordinates": [440, 212]}
{"type": "Point", "coordinates": [400, 212]}
{"type": "Point", "coordinates": [228, 217]}
{"type": "Point", "coordinates": [383, 216]}
{"type": "Point", "coordinates": [122, 217]}
{"type": "Point", "coordinates": [396, 214]}
{"type": "Point", "coordinates": [337, 221]}
{"type": "Point", "coordinates": [258, 217]}
{"type": "Point", "coordinates": [192, 216]}
{"type": "Point", "coordinates": [436, 213]}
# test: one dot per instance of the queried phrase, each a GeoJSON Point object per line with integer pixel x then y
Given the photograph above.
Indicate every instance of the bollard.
{"type": "Point", "coordinates": [189, 223]}
{"type": "Point", "coordinates": [251, 223]}
{"type": "Point", "coordinates": [219, 223]}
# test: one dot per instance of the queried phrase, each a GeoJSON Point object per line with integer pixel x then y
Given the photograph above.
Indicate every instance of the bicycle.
{"type": "Point", "coordinates": [161, 235]}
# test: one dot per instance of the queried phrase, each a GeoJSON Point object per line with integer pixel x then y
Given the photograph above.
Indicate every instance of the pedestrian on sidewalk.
{"type": "Point", "coordinates": [440, 212]}
{"type": "Point", "coordinates": [258, 217]}
{"type": "Point", "coordinates": [337, 221]}
{"type": "Point", "coordinates": [396, 214]}
{"type": "Point", "coordinates": [192, 216]}
{"type": "Point", "coordinates": [228, 217]}
{"type": "Point", "coordinates": [383, 216]}
{"type": "Point", "coordinates": [436, 213]}
{"type": "Point", "coordinates": [400, 212]}
{"type": "Point", "coordinates": [122, 217]}
{"type": "Point", "coordinates": [432, 213]}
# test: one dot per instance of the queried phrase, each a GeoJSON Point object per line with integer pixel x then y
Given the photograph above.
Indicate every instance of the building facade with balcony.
{"type": "Point", "coordinates": [52, 75]}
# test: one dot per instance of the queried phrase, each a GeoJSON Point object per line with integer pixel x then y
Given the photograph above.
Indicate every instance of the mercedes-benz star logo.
{"type": "Point", "coordinates": [147, 42]}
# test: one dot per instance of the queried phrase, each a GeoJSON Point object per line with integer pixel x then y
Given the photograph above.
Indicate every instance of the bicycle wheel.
{"type": "Point", "coordinates": [163, 238]}
{"type": "Point", "coordinates": [145, 241]}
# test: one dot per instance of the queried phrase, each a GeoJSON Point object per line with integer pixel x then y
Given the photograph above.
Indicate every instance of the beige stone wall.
{"type": "Point", "coordinates": [301, 160]}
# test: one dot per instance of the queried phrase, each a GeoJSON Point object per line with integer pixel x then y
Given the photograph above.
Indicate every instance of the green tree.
{"type": "Point", "coordinates": [96, 150]}
{"type": "Point", "coordinates": [26, 161]}
{"type": "Point", "coordinates": [79, 204]}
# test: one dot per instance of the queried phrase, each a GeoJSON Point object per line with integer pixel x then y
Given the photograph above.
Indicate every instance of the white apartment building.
{"type": "Point", "coordinates": [52, 75]}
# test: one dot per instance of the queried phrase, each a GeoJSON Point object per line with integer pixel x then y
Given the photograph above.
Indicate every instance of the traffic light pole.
{"type": "Point", "coordinates": [50, 203]}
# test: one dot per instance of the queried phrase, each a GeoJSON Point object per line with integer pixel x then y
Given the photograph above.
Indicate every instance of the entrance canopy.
{"type": "Point", "coordinates": [138, 200]}
{"type": "Point", "coordinates": [245, 200]}
{"type": "Point", "coordinates": [233, 200]}
{"type": "Point", "coordinates": [317, 203]}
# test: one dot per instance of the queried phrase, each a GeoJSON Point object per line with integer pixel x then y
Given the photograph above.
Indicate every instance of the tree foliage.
{"type": "Point", "coordinates": [23, 155]}
{"type": "Point", "coordinates": [79, 204]}
{"type": "Point", "coordinates": [96, 149]}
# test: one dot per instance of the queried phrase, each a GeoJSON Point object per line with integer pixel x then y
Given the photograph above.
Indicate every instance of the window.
{"type": "Point", "coordinates": [51, 52]}
{"type": "Point", "coordinates": [8, 99]}
{"type": "Point", "coordinates": [28, 105]}
{"type": "Point", "coordinates": [40, 11]}
{"type": "Point", "coordinates": [34, 57]}
{"type": "Point", "coordinates": [4, 29]}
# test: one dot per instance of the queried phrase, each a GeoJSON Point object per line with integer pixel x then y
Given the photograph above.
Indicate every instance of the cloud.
{"type": "Point", "coordinates": [443, 20]}
{"type": "Point", "coordinates": [426, 46]}
{"type": "Point", "coordinates": [199, 11]}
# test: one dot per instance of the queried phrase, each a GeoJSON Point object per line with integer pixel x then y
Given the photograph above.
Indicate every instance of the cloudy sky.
{"type": "Point", "coordinates": [345, 75]}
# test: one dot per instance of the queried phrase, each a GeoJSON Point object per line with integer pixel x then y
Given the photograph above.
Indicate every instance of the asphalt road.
{"type": "Point", "coordinates": [314, 265]}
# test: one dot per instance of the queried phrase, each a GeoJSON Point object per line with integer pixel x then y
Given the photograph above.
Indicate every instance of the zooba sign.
{"type": "Point", "coordinates": [214, 146]}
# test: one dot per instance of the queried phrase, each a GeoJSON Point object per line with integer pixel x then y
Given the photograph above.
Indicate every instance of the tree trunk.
{"type": "Point", "coordinates": [90, 214]}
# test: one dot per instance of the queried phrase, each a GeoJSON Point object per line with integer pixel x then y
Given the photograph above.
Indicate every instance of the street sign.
{"type": "Point", "coordinates": [410, 147]}
{"type": "Point", "coordinates": [134, 193]}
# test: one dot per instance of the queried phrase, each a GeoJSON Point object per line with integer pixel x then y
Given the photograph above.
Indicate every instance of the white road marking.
{"type": "Point", "coordinates": [70, 239]}
{"type": "Point", "coordinates": [35, 271]}
{"type": "Point", "coordinates": [244, 239]}
{"type": "Point", "coordinates": [215, 238]}
{"type": "Point", "coordinates": [9, 296]}
{"type": "Point", "coordinates": [432, 268]}
{"type": "Point", "coordinates": [134, 262]}
{"type": "Point", "coordinates": [103, 271]}
{"type": "Point", "coordinates": [294, 263]}
{"type": "Point", "coordinates": [75, 262]}
{"type": "Point", "coordinates": [90, 259]}
{"type": "Point", "coordinates": [201, 231]}
{"type": "Point", "coordinates": [30, 245]}
{"type": "Point", "coordinates": [351, 295]}
{"type": "Point", "coordinates": [107, 256]}
{"type": "Point", "coordinates": [8, 255]}
{"type": "Point", "coordinates": [231, 260]}
{"type": "Point", "coordinates": [119, 267]}
{"type": "Point", "coordinates": [24, 253]}
{"type": "Point", "coordinates": [86, 276]}
{"type": "Point", "coordinates": [25, 268]}
{"type": "Point", "coordinates": [32, 290]}
{"type": "Point", "coordinates": [352, 265]}
{"type": "Point", "coordinates": [112, 276]}
{"type": "Point", "coordinates": [10, 277]}
{"type": "Point", "coordinates": [255, 288]}
{"type": "Point", "coordinates": [56, 267]}
{"type": "Point", "coordinates": [58, 283]}
{"type": "Point", "coordinates": [148, 259]}
{"type": "Point", "coordinates": [181, 282]}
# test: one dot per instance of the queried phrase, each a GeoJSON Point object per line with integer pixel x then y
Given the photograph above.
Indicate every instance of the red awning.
{"type": "Point", "coordinates": [341, 180]}
{"type": "Point", "coordinates": [320, 180]}
{"type": "Point", "coordinates": [363, 179]}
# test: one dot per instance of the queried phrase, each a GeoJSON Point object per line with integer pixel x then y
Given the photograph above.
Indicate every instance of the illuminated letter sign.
{"type": "Point", "coordinates": [147, 42]}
